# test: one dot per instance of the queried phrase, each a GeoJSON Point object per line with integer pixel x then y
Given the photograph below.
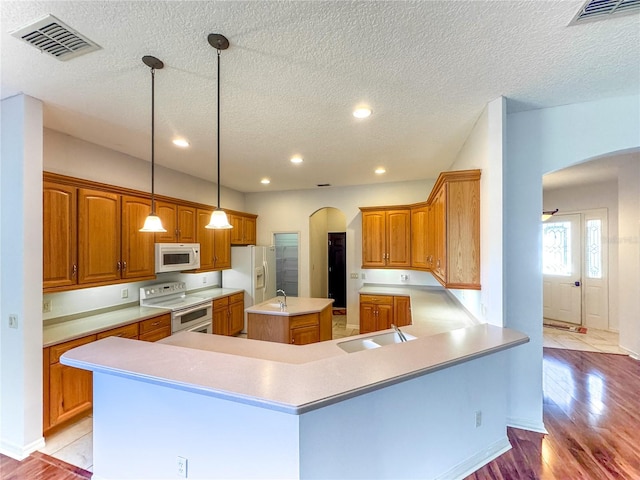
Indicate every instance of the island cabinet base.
{"type": "Point", "coordinates": [294, 329]}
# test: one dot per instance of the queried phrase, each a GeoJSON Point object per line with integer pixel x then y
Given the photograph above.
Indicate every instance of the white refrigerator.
{"type": "Point", "coordinates": [253, 269]}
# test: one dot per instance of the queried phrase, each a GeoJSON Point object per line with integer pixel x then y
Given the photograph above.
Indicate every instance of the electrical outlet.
{"type": "Point", "coordinates": [46, 306]}
{"type": "Point", "coordinates": [182, 467]}
{"type": "Point", "coordinates": [363, 276]}
{"type": "Point", "coordinates": [478, 418]}
{"type": "Point", "coordinates": [404, 278]}
{"type": "Point", "coordinates": [354, 275]}
{"type": "Point", "coordinates": [13, 320]}
{"type": "Point", "coordinates": [124, 293]}
{"type": "Point", "coordinates": [204, 280]}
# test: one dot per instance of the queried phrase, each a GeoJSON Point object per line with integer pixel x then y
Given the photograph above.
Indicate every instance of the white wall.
{"type": "Point", "coordinates": [592, 196]}
{"type": "Point", "coordinates": [289, 211]}
{"type": "Point", "coordinates": [540, 141]}
{"type": "Point", "coordinates": [71, 156]}
{"type": "Point", "coordinates": [629, 256]}
{"type": "Point", "coordinates": [484, 149]}
{"type": "Point", "coordinates": [21, 284]}
{"type": "Point", "coordinates": [318, 254]}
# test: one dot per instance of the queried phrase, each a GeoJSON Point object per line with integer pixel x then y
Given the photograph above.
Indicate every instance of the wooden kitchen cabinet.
{"type": "Point", "coordinates": [154, 329]}
{"type": "Point", "coordinates": [179, 221]}
{"type": "Point", "coordinates": [376, 312]}
{"type": "Point", "coordinates": [59, 253]}
{"type": "Point", "coordinates": [228, 314]}
{"type": "Point", "coordinates": [69, 391]}
{"type": "Point", "coordinates": [401, 311]}
{"type": "Point", "coordinates": [215, 245]}
{"type": "Point", "coordinates": [126, 331]}
{"type": "Point", "coordinates": [386, 237]}
{"type": "Point", "coordinates": [421, 228]}
{"type": "Point", "coordinates": [136, 248]}
{"type": "Point", "coordinates": [299, 329]}
{"type": "Point", "coordinates": [456, 201]}
{"type": "Point", "coordinates": [244, 229]}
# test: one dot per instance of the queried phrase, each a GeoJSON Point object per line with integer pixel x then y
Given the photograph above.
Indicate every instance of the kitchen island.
{"type": "Point", "coordinates": [431, 407]}
{"type": "Point", "coordinates": [294, 320]}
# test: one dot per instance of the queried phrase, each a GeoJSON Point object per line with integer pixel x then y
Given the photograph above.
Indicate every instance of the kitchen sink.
{"type": "Point", "coordinates": [375, 341]}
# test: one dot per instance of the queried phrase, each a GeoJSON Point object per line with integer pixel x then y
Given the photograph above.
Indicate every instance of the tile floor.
{"type": "Point", "coordinates": [74, 444]}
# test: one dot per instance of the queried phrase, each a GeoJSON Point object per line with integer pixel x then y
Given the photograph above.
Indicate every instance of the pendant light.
{"type": "Point", "coordinates": [546, 215]}
{"type": "Point", "coordinates": [219, 218]}
{"type": "Point", "coordinates": [152, 223]}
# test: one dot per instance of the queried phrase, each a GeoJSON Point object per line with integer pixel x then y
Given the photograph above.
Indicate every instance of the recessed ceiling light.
{"type": "Point", "coordinates": [265, 181]}
{"type": "Point", "coordinates": [362, 112]}
{"type": "Point", "coordinates": [380, 170]}
{"type": "Point", "coordinates": [296, 159]}
{"type": "Point", "coordinates": [180, 142]}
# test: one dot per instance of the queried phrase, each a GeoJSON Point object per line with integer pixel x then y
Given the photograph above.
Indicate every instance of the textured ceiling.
{"type": "Point", "coordinates": [295, 70]}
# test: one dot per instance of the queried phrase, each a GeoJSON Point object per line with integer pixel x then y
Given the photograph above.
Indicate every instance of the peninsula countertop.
{"type": "Point", "coordinates": [294, 306]}
{"type": "Point", "coordinates": [287, 378]}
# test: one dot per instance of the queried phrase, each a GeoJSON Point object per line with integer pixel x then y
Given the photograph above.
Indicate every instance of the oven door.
{"type": "Point", "coordinates": [194, 316]}
{"type": "Point", "coordinates": [206, 327]}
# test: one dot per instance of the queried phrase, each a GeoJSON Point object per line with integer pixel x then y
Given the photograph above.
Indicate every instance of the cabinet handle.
{"type": "Point", "coordinates": [293, 340]}
{"type": "Point", "coordinates": [74, 270]}
{"type": "Point", "coordinates": [155, 324]}
{"type": "Point", "coordinates": [118, 266]}
{"type": "Point", "coordinates": [177, 233]}
{"type": "Point", "coordinates": [124, 266]}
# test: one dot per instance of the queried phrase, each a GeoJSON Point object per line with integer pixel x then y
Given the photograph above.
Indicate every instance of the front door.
{"type": "Point", "coordinates": [561, 268]}
{"type": "Point", "coordinates": [337, 287]}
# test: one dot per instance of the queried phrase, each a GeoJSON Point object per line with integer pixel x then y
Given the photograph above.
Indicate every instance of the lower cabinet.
{"type": "Point", "coordinates": [68, 391]}
{"type": "Point", "coordinates": [295, 329]}
{"type": "Point", "coordinates": [228, 314]}
{"type": "Point", "coordinates": [378, 312]}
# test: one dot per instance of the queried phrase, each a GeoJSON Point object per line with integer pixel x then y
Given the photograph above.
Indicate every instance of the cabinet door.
{"type": "Point", "coordinates": [237, 232]}
{"type": "Point", "coordinates": [250, 230]}
{"type": "Point", "coordinates": [236, 317]}
{"type": "Point", "coordinates": [440, 224]}
{"type": "Point", "coordinates": [373, 239]}
{"type": "Point", "coordinates": [463, 234]}
{"type": "Point", "coordinates": [169, 217]}
{"type": "Point", "coordinates": [59, 241]}
{"type": "Point", "coordinates": [367, 318]}
{"type": "Point", "coordinates": [205, 239]}
{"type": "Point", "coordinates": [137, 248]}
{"type": "Point", "coordinates": [221, 321]}
{"type": "Point", "coordinates": [187, 224]}
{"type": "Point", "coordinates": [156, 328]}
{"type": "Point", "coordinates": [401, 311]}
{"type": "Point", "coordinates": [305, 335]}
{"type": "Point", "coordinates": [222, 249]}
{"type": "Point", "coordinates": [384, 316]}
{"type": "Point", "coordinates": [70, 392]}
{"type": "Point", "coordinates": [98, 236]}
{"type": "Point", "coordinates": [419, 225]}
{"type": "Point", "coordinates": [430, 237]}
{"type": "Point", "coordinates": [398, 238]}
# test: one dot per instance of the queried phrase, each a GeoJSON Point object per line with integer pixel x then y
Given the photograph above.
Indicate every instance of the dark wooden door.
{"type": "Point", "coordinates": [338, 269]}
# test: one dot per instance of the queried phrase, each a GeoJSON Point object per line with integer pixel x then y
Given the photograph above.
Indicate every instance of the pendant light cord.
{"type": "Point", "coordinates": [153, 130]}
{"type": "Point", "coordinates": [218, 123]}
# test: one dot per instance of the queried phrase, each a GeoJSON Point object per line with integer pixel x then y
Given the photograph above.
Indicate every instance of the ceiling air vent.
{"type": "Point", "coordinates": [602, 9]}
{"type": "Point", "coordinates": [50, 35]}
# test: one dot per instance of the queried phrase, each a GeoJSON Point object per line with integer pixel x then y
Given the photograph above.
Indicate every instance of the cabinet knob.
{"type": "Point", "coordinates": [74, 270]}
{"type": "Point", "coordinates": [118, 266]}
{"type": "Point", "coordinates": [124, 266]}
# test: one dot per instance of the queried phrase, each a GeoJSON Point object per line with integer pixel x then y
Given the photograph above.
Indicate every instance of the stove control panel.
{"type": "Point", "coordinates": [162, 290]}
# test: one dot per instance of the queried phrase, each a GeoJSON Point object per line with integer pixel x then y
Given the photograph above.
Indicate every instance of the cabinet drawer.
{"type": "Point", "coordinates": [128, 331]}
{"type": "Point", "coordinates": [156, 334]}
{"type": "Point", "coordinates": [57, 350]}
{"type": "Point", "coordinates": [220, 303]}
{"type": "Point", "coordinates": [377, 299]}
{"type": "Point", "coordinates": [303, 320]}
{"type": "Point", "coordinates": [236, 297]}
{"type": "Point", "coordinates": [154, 323]}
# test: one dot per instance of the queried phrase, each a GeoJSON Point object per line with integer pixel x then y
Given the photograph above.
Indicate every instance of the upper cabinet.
{"type": "Point", "coordinates": [91, 233]}
{"type": "Point", "coordinates": [456, 250]}
{"type": "Point", "coordinates": [441, 235]}
{"type": "Point", "coordinates": [179, 221]}
{"type": "Point", "coordinates": [386, 237]}
{"type": "Point", "coordinates": [244, 229]}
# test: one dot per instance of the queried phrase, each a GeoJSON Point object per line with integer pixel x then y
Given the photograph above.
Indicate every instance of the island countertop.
{"type": "Point", "coordinates": [295, 306]}
{"type": "Point", "coordinates": [286, 378]}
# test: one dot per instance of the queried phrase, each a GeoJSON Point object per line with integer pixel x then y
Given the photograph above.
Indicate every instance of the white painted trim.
{"type": "Point", "coordinates": [524, 424]}
{"type": "Point", "coordinates": [478, 460]}
{"type": "Point", "coordinates": [20, 452]}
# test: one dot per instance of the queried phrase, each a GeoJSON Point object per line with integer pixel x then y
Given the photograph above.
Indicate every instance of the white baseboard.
{"type": "Point", "coordinates": [353, 326]}
{"type": "Point", "coordinates": [20, 452]}
{"type": "Point", "coordinates": [524, 424]}
{"type": "Point", "coordinates": [477, 461]}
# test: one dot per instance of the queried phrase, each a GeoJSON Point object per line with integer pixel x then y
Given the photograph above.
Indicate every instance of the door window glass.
{"type": "Point", "coordinates": [556, 251]}
{"type": "Point", "coordinates": [594, 248]}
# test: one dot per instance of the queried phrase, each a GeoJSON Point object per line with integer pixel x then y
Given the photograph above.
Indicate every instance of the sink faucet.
{"type": "Point", "coordinates": [282, 304]}
{"type": "Point", "coordinates": [399, 332]}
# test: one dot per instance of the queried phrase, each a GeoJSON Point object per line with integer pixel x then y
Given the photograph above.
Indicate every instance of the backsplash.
{"type": "Point", "coordinates": [397, 277]}
{"type": "Point", "coordinates": [87, 299]}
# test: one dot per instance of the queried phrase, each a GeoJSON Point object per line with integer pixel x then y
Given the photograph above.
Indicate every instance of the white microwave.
{"type": "Point", "coordinates": [174, 257]}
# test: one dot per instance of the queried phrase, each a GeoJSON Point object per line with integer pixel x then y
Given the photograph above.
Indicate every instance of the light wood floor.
{"type": "Point", "coordinates": [591, 411]}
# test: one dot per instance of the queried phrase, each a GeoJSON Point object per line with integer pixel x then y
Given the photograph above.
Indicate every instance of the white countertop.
{"type": "Point", "coordinates": [287, 378]}
{"type": "Point", "coordinates": [63, 329]}
{"type": "Point", "coordinates": [295, 306]}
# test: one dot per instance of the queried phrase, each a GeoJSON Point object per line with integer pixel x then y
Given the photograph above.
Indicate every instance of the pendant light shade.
{"type": "Point", "coordinates": [219, 218]}
{"type": "Point", "coordinates": [152, 223]}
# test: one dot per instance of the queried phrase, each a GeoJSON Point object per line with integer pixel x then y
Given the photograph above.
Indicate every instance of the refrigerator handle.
{"type": "Point", "coordinates": [265, 265]}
